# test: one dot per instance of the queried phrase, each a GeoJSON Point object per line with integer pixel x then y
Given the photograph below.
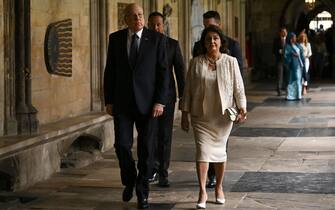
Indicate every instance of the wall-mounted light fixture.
{"type": "Point", "coordinates": [309, 4]}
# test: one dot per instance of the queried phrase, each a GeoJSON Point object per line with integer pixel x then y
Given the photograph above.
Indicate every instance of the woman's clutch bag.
{"type": "Point", "coordinates": [232, 113]}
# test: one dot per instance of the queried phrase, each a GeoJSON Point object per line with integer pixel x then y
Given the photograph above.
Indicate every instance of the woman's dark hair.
{"type": "Point", "coordinates": [215, 29]}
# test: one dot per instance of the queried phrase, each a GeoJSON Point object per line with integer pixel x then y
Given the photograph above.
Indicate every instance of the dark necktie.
{"type": "Point", "coordinates": [133, 50]}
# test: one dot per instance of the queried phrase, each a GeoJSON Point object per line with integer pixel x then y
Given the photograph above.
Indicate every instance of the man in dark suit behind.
{"type": "Point", "coordinates": [135, 88]}
{"type": "Point", "coordinates": [278, 50]}
{"type": "Point", "coordinates": [165, 122]}
{"type": "Point", "coordinates": [213, 18]}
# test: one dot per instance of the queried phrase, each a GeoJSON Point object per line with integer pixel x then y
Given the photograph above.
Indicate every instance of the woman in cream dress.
{"type": "Point", "coordinates": [307, 50]}
{"type": "Point", "coordinates": [213, 84]}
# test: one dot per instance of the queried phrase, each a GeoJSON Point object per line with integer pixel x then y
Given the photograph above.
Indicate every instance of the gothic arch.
{"type": "Point", "coordinates": [323, 5]}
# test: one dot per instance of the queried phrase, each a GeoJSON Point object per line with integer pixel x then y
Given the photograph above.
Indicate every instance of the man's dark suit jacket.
{"type": "Point", "coordinates": [276, 46]}
{"type": "Point", "coordinates": [175, 60]}
{"type": "Point", "coordinates": [233, 47]}
{"type": "Point", "coordinates": [146, 83]}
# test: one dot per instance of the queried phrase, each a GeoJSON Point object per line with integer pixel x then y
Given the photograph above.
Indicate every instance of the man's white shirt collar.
{"type": "Point", "coordinates": [138, 33]}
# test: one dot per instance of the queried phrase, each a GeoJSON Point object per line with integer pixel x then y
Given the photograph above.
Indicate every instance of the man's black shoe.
{"type": "Point", "coordinates": [154, 178]}
{"type": "Point", "coordinates": [142, 203]}
{"type": "Point", "coordinates": [211, 182]}
{"type": "Point", "coordinates": [163, 182]}
{"type": "Point", "coordinates": [127, 194]}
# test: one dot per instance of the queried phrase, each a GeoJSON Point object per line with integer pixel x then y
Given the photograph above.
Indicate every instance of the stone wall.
{"type": "Point", "coordinates": [263, 23]}
{"type": "Point", "coordinates": [113, 15]}
{"type": "Point", "coordinates": [57, 97]}
{"type": "Point", "coordinates": [2, 80]}
{"type": "Point", "coordinates": [173, 19]}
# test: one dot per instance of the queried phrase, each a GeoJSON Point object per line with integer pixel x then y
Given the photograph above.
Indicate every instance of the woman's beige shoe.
{"type": "Point", "coordinates": [220, 201]}
{"type": "Point", "coordinates": [201, 205]}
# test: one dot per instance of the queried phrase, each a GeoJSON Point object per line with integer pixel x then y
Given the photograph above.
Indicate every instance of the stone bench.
{"type": "Point", "coordinates": [26, 160]}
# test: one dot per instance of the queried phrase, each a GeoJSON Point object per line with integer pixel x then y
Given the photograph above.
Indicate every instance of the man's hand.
{"type": "Point", "coordinates": [185, 125]}
{"type": "Point", "coordinates": [109, 109]}
{"type": "Point", "coordinates": [157, 110]}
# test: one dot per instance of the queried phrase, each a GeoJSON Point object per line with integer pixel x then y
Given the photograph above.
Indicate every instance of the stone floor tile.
{"type": "Point", "coordinates": [308, 144]}
{"type": "Point", "coordinates": [286, 182]}
{"type": "Point", "coordinates": [245, 164]}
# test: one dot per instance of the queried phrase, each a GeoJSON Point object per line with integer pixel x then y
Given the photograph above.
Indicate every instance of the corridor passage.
{"type": "Point", "coordinates": [282, 158]}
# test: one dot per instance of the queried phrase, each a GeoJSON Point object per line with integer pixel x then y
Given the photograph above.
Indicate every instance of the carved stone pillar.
{"type": "Point", "coordinates": [33, 122]}
{"type": "Point", "coordinates": [230, 19]}
{"type": "Point", "coordinates": [153, 6]}
{"type": "Point", "coordinates": [184, 29]}
{"type": "Point", "coordinates": [22, 113]}
{"type": "Point", "coordinates": [98, 23]}
{"type": "Point", "coordinates": [27, 122]}
{"type": "Point", "coordinates": [10, 124]}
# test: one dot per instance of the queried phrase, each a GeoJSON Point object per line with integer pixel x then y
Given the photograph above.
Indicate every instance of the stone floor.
{"type": "Point", "coordinates": [282, 158]}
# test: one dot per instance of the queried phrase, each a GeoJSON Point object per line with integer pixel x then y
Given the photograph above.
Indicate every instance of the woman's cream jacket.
{"type": "Point", "coordinates": [230, 84]}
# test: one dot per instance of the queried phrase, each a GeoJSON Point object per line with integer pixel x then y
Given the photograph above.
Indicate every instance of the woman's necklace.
{"type": "Point", "coordinates": [212, 62]}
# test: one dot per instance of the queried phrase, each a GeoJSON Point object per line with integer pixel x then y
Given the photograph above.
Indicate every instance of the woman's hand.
{"type": "Point", "coordinates": [185, 125]}
{"type": "Point", "coordinates": [242, 116]}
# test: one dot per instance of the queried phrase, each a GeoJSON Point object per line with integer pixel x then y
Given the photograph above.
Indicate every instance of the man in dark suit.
{"type": "Point", "coordinates": [278, 48]}
{"type": "Point", "coordinates": [213, 18]}
{"type": "Point", "coordinates": [135, 87]}
{"type": "Point", "coordinates": [165, 122]}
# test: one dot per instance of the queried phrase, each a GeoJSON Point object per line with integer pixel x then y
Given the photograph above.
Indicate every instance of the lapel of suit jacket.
{"type": "Point", "coordinates": [143, 44]}
{"type": "Point", "coordinates": [124, 40]}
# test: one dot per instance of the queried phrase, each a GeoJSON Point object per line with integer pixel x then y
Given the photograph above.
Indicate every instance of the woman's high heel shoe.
{"type": "Point", "coordinates": [220, 200]}
{"type": "Point", "coordinates": [201, 205]}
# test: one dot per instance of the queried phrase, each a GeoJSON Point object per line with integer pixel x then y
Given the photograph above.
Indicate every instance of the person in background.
{"type": "Point", "coordinates": [295, 62]}
{"type": "Point", "coordinates": [307, 50]}
{"type": "Point", "coordinates": [135, 90]}
{"type": "Point", "coordinates": [213, 84]}
{"type": "Point", "coordinates": [233, 48]}
{"type": "Point", "coordinates": [278, 48]}
{"type": "Point", "coordinates": [165, 122]}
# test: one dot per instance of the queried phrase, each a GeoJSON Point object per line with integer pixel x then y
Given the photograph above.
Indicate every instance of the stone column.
{"type": "Point", "coordinates": [229, 19]}
{"type": "Point", "coordinates": [98, 25]}
{"type": "Point", "coordinates": [33, 122]}
{"type": "Point", "coordinates": [184, 30]}
{"type": "Point", "coordinates": [2, 71]}
{"type": "Point", "coordinates": [22, 113]}
{"type": "Point", "coordinates": [246, 70]}
{"type": "Point", "coordinates": [10, 123]}
{"type": "Point", "coordinates": [153, 5]}
{"type": "Point", "coordinates": [26, 114]}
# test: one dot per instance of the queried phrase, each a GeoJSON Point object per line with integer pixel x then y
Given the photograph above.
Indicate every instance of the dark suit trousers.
{"type": "Point", "coordinates": [164, 139]}
{"type": "Point", "coordinates": [145, 125]}
{"type": "Point", "coordinates": [280, 75]}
